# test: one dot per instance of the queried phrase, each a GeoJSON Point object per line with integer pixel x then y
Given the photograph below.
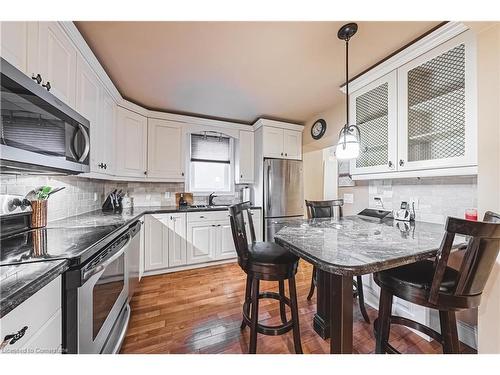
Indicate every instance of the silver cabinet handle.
{"type": "Point", "coordinates": [13, 337]}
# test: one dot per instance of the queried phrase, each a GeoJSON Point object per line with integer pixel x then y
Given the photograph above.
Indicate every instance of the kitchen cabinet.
{"type": "Point", "coordinates": [40, 318]}
{"type": "Point", "coordinates": [201, 238]}
{"type": "Point", "coordinates": [245, 155]}
{"type": "Point", "coordinates": [176, 226]}
{"type": "Point", "coordinates": [420, 119]}
{"type": "Point", "coordinates": [131, 144]}
{"type": "Point", "coordinates": [282, 143]}
{"type": "Point", "coordinates": [105, 157]}
{"type": "Point", "coordinates": [18, 39]}
{"type": "Point", "coordinates": [165, 244]}
{"type": "Point", "coordinates": [88, 103]}
{"type": "Point", "coordinates": [292, 144]}
{"type": "Point", "coordinates": [56, 61]}
{"type": "Point", "coordinates": [166, 155]}
{"type": "Point", "coordinates": [373, 109]}
{"type": "Point", "coordinates": [155, 244]}
{"type": "Point", "coordinates": [436, 107]}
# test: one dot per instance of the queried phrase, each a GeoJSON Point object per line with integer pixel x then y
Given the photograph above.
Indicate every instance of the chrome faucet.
{"type": "Point", "coordinates": [211, 199]}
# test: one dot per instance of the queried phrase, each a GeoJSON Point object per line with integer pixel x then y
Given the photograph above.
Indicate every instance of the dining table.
{"type": "Point", "coordinates": [349, 246]}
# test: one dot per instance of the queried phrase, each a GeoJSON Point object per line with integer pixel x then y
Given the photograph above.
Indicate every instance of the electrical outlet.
{"type": "Point", "coordinates": [148, 197]}
{"type": "Point", "coordinates": [95, 197]}
{"type": "Point", "coordinates": [378, 202]}
{"type": "Point", "coordinates": [348, 198]}
{"type": "Point", "coordinates": [167, 195]}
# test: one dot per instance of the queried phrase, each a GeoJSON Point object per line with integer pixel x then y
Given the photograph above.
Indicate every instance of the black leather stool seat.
{"type": "Point", "coordinates": [417, 275]}
{"type": "Point", "coordinates": [270, 253]}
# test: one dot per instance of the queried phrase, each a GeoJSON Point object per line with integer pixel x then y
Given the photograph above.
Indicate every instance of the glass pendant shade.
{"type": "Point", "coordinates": [348, 146]}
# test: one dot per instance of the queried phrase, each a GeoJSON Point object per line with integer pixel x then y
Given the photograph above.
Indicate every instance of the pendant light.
{"type": "Point", "coordinates": [350, 136]}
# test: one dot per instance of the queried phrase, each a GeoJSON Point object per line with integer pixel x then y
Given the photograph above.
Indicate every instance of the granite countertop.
{"type": "Point", "coordinates": [64, 240]}
{"type": "Point", "coordinates": [127, 216]}
{"type": "Point", "coordinates": [18, 282]}
{"type": "Point", "coordinates": [353, 245]}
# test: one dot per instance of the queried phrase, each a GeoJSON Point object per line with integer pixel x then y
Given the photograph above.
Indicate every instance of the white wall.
{"type": "Point", "coordinates": [488, 183]}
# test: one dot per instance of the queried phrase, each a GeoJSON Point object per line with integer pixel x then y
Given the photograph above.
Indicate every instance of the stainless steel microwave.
{"type": "Point", "coordinates": [39, 134]}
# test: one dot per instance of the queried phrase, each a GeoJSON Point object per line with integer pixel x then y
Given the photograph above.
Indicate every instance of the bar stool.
{"type": "Point", "coordinates": [435, 285]}
{"type": "Point", "coordinates": [264, 261]}
{"type": "Point", "coordinates": [325, 209]}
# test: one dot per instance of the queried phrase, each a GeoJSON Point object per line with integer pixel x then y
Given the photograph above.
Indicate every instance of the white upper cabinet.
{"type": "Point", "coordinates": [88, 99]}
{"type": "Point", "coordinates": [282, 143]}
{"type": "Point", "coordinates": [245, 155]}
{"type": "Point", "coordinates": [420, 119]}
{"type": "Point", "coordinates": [292, 144]}
{"type": "Point", "coordinates": [57, 60]}
{"type": "Point", "coordinates": [108, 135]}
{"type": "Point", "coordinates": [273, 142]}
{"type": "Point", "coordinates": [437, 109]}
{"type": "Point", "coordinates": [131, 143]}
{"type": "Point", "coordinates": [16, 40]}
{"type": "Point", "coordinates": [166, 156]}
{"type": "Point", "coordinates": [373, 109]}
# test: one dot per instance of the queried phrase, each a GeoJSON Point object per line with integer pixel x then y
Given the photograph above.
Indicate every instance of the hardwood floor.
{"type": "Point", "coordinates": [199, 311]}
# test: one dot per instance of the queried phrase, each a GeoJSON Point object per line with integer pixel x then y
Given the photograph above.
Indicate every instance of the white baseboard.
{"type": "Point", "coordinates": [188, 267]}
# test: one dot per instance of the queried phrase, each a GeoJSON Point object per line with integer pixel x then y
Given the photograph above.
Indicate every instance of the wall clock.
{"type": "Point", "coordinates": [318, 129]}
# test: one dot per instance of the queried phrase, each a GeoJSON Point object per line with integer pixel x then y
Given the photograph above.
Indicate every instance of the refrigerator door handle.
{"type": "Point", "coordinates": [269, 186]}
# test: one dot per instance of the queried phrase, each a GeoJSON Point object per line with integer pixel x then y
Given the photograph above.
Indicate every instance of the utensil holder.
{"type": "Point", "coordinates": [39, 214]}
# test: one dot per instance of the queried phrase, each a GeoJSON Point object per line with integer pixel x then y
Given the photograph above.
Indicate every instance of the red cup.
{"type": "Point", "coordinates": [471, 214]}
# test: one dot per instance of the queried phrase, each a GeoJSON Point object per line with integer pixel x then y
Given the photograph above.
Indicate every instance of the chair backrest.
{"type": "Point", "coordinates": [318, 209]}
{"type": "Point", "coordinates": [237, 218]}
{"type": "Point", "coordinates": [480, 254]}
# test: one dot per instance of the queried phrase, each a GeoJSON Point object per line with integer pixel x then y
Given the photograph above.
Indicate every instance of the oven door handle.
{"type": "Point", "coordinates": [89, 273]}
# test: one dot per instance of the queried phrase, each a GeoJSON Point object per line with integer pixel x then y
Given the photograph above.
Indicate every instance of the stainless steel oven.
{"type": "Point", "coordinates": [39, 133]}
{"type": "Point", "coordinates": [96, 294]}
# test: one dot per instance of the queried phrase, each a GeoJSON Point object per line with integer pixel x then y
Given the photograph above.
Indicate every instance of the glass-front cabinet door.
{"type": "Point", "coordinates": [436, 93]}
{"type": "Point", "coordinates": [373, 109]}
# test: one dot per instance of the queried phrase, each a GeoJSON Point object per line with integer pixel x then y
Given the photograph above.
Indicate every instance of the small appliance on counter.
{"type": "Point", "coordinates": [404, 213]}
{"type": "Point", "coordinates": [114, 201]}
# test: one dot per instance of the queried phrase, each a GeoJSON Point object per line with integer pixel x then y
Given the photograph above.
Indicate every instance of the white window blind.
{"type": "Point", "coordinates": [209, 148]}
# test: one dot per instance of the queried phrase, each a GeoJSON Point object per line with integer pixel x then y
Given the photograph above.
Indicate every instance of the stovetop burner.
{"type": "Point", "coordinates": [38, 245]}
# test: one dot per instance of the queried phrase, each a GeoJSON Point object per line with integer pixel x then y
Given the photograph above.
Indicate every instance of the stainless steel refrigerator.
{"type": "Point", "coordinates": [283, 194]}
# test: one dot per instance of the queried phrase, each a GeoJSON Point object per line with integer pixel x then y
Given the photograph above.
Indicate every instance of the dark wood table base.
{"type": "Point", "coordinates": [334, 311]}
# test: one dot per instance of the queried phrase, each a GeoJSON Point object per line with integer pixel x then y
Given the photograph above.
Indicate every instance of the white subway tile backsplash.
{"type": "Point", "coordinates": [438, 197]}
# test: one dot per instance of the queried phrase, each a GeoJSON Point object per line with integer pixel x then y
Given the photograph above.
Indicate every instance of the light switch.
{"type": "Point", "coordinates": [167, 195]}
{"type": "Point", "coordinates": [348, 198]}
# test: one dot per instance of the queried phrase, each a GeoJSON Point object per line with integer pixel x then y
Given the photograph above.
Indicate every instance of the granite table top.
{"type": "Point", "coordinates": [18, 282]}
{"type": "Point", "coordinates": [355, 245]}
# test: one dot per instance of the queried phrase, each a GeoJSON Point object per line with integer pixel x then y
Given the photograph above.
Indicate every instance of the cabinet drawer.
{"type": "Point", "coordinates": [207, 216]}
{"type": "Point", "coordinates": [33, 313]}
{"type": "Point", "coordinates": [48, 338]}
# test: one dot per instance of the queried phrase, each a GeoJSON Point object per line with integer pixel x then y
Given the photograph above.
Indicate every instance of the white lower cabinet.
{"type": "Point", "coordinates": [176, 227]}
{"type": "Point", "coordinates": [155, 244]}
{"type": "Point", "coordinates": [40, 318]}
{"type": "Point", "coordinates": [202, 240]}
{"type": "Point", "coordinates": [183, 239]}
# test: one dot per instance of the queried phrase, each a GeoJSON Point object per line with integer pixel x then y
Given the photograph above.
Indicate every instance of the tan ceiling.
{"type": "Point", "coordinates": [239, 70]}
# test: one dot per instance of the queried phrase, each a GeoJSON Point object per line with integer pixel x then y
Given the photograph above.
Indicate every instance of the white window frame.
{"type": "Point", "coordinates": [189, 182]}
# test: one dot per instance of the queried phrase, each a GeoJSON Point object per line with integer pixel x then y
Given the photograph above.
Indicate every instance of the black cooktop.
{"type": "Point", "coordinates": [74, 244]}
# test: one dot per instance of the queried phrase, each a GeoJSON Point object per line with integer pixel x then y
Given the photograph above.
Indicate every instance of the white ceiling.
{"type": "Point", "coordinates": [239, 70]}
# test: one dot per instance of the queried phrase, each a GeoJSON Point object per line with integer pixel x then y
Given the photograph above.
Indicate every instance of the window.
{"type": "Point", "coordinates": [210, 166]}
